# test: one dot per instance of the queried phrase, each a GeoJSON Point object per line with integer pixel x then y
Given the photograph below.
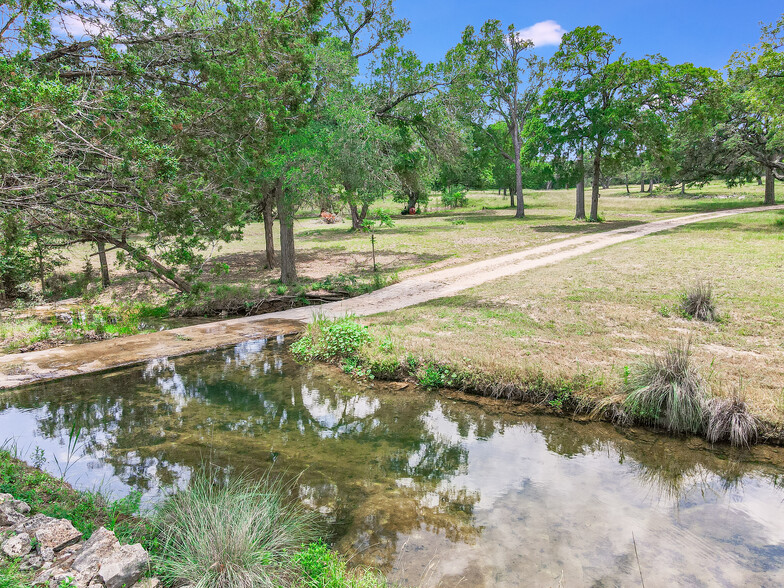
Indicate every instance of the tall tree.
{"type": "Point", "coordinates": [499, 77]}
{"type": "Point", "coordinates": [755, 127]}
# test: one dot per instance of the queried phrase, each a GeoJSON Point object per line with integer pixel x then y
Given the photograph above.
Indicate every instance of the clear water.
{"type": "Point", "coordinates": [432, 489]}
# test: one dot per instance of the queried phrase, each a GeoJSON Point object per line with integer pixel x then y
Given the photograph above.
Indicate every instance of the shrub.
{"type": "Point", "coordinates": [330, 339]}
{"type": "Point", "coordinates": [667, 390]}
{"type": "Point", "coordinates": [454, 197]}
{"type": "Point", "coordinates": [238, 535]}
{"type": "Point", "coordinates": [729, 419]}
{"type": "Point", "coordinates": [319, 567]}
{"type": "Point", "coordinates": [698, 302]}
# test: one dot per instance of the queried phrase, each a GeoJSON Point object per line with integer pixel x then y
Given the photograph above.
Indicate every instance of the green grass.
{"type": "Point", "coordinates": [591, 316]}
{"type": "Point", "coordinates": [11, 577]}
{"type": "Point", "coordinates": [53, 497]}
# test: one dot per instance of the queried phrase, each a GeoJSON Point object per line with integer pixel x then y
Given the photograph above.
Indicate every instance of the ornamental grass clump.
{"type": "Point", "coordinates": [667, 390]}
{"type": "Point", "coordinates": [240, 534]}
{"type": "Point", "coordinates": [729, 419]}
{"type": "Point", "coordinates": [698, 302]}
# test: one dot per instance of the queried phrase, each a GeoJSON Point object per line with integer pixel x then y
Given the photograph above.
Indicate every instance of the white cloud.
{"type": "Point", "coordinates": [543, 33]}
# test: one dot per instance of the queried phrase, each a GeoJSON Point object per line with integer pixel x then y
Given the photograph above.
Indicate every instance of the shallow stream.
{"type": "Point", "coordinates": [433, 489]}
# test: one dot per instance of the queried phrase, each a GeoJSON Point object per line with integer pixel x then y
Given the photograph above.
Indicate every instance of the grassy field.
{"type": "Point", "coordinates": [594, 316]}
{"type": "Point", "coordinates": [441, 237]}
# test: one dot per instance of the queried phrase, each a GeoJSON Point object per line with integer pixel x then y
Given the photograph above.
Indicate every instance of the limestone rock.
{"type": "Point", "coordinates": [31, 525]}
{"type": "Point", "coordinates": [148, 583]}
{"type": "Point", "coordinates": [9, 515]}
{"type": "Point", "coordinates": [46, 553]}
{"type": "Point", "coordinates": [34, 562]}
{"type": "Point", "coordinates": [124, 567]}
{"type": "Point", "coordinates": [57, 534]}
{"type": "Point", "coordinates": [17, 546]}
{"type": "Point", "coordinates": [97, 548]}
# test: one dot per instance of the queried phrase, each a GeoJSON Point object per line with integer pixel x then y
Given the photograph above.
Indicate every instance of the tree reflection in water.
{"type": "Point", "coordinates": [430, 487]}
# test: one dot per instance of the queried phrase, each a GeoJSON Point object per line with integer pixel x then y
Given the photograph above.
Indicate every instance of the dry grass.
{"type": "Point", "coordinates": [729, 420]}
{"type": "Point", "coordinates": [698, 302]}
{"type": "Point", "coordinates": [595, 315]}
{"type": "Point", "coordinates": [668, 390]}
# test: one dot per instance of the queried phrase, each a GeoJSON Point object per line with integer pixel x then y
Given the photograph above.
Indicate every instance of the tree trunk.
{"type": "Point", "coordinates": [650, 187]}
{"type": "Point", "coordinates": [518, 147]}
{"type": "Point", "coordinates": [683, 187]}
{"type": "Point", "coordinates": [579, 210]}
{"type": "Point", "coordinates": [770, 187]}
{"type": "Point", "coordinates": [759, 180]}
{"type": "Point", "coordinates": [642, 184]}
{"type": "Point", "coordinates": [549, 185]}
{"type": "Point", "coordinates": [358, 217]}
{"type": "Point", "coordinates": [499, 192]}
{"type": "Point", "coordinates": [511, 196]}
{"type": "Point", "coordinates": [597, 172]}
{"type": "Point", "coordinates": [413, 198]}
{"type": "Point", "coordinates": [104, 264]}
{"type": "Point", "coordinates": [288, 267]}
{"type": "Point", "coordinates": [504, 191]}
{"type": "Point", "coordinates": [268, 205]}
{"type": "Point", "coordinates": [627, 184]}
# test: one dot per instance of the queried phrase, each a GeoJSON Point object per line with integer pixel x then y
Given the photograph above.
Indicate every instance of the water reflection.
{"type": "Point", "coordinates": [434, 490]}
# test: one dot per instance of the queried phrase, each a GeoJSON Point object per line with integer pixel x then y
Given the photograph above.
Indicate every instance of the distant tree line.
{"type": "Point", "coordinates": [158, 129]}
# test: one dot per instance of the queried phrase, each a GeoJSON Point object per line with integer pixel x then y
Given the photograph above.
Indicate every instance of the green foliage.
{"type": "Point", "coordinates": [435, 376]}
{"type": "Point", "coordinates": [454, 197]}
{"type": "Point", "coordinates": [52, 497]}
{"type": "Point", "coordinates": [321, 567]}
{"type": "Point", "coordinates": [331, 339]}
{"type": "Point", "coordinates": [11, 577]}
{"type": "Point", "coordinates": [241, 533]}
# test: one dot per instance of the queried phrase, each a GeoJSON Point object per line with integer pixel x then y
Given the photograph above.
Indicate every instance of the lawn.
{"type": "Point", "coordinates": [594, 316]}
{"type": "Point", "coordinates": [442, 237]}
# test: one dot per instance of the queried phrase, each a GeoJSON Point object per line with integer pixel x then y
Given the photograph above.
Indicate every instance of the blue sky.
{"type": "Point", "coordinates": [700, 31]}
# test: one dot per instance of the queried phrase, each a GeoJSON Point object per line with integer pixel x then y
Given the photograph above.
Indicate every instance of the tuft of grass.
{"type": "Point", "coordinates": [667, 390]}
{"type": "Point", "coordinates": [241, 534]}
{"type": "Point", "coordinates": [729, 419]}
{"type": "Point", "coordinates": [698, 302]}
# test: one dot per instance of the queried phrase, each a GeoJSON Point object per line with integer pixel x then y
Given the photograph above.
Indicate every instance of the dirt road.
{"type": "Point", "coordinates": [20, 369]}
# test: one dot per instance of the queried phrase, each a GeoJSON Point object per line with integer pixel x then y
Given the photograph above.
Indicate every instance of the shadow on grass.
{"type": "Point", "coordinates": [707, 205]}
{"type": "Point", "coordinates": [584, 228]}
{"type": "Point", "coordinates": [249, 268]}
{"type": "Point", "coordinates": [735, 226]}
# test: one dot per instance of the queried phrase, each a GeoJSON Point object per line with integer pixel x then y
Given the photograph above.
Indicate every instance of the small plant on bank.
{"type": "Point", "coordinates": [331, 339]}
{"type": "Point", "coordinates": [729, 419]}
{"type": "Point", "coordinates": [667, 390]}
{"type": "Point", "coordinates": [698, 302]}
{"type": "Point", "coordinates": [240, 534]}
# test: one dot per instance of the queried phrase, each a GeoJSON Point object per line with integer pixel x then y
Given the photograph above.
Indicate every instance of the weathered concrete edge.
{"type": "Point", "coordinates": [102, 356]}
